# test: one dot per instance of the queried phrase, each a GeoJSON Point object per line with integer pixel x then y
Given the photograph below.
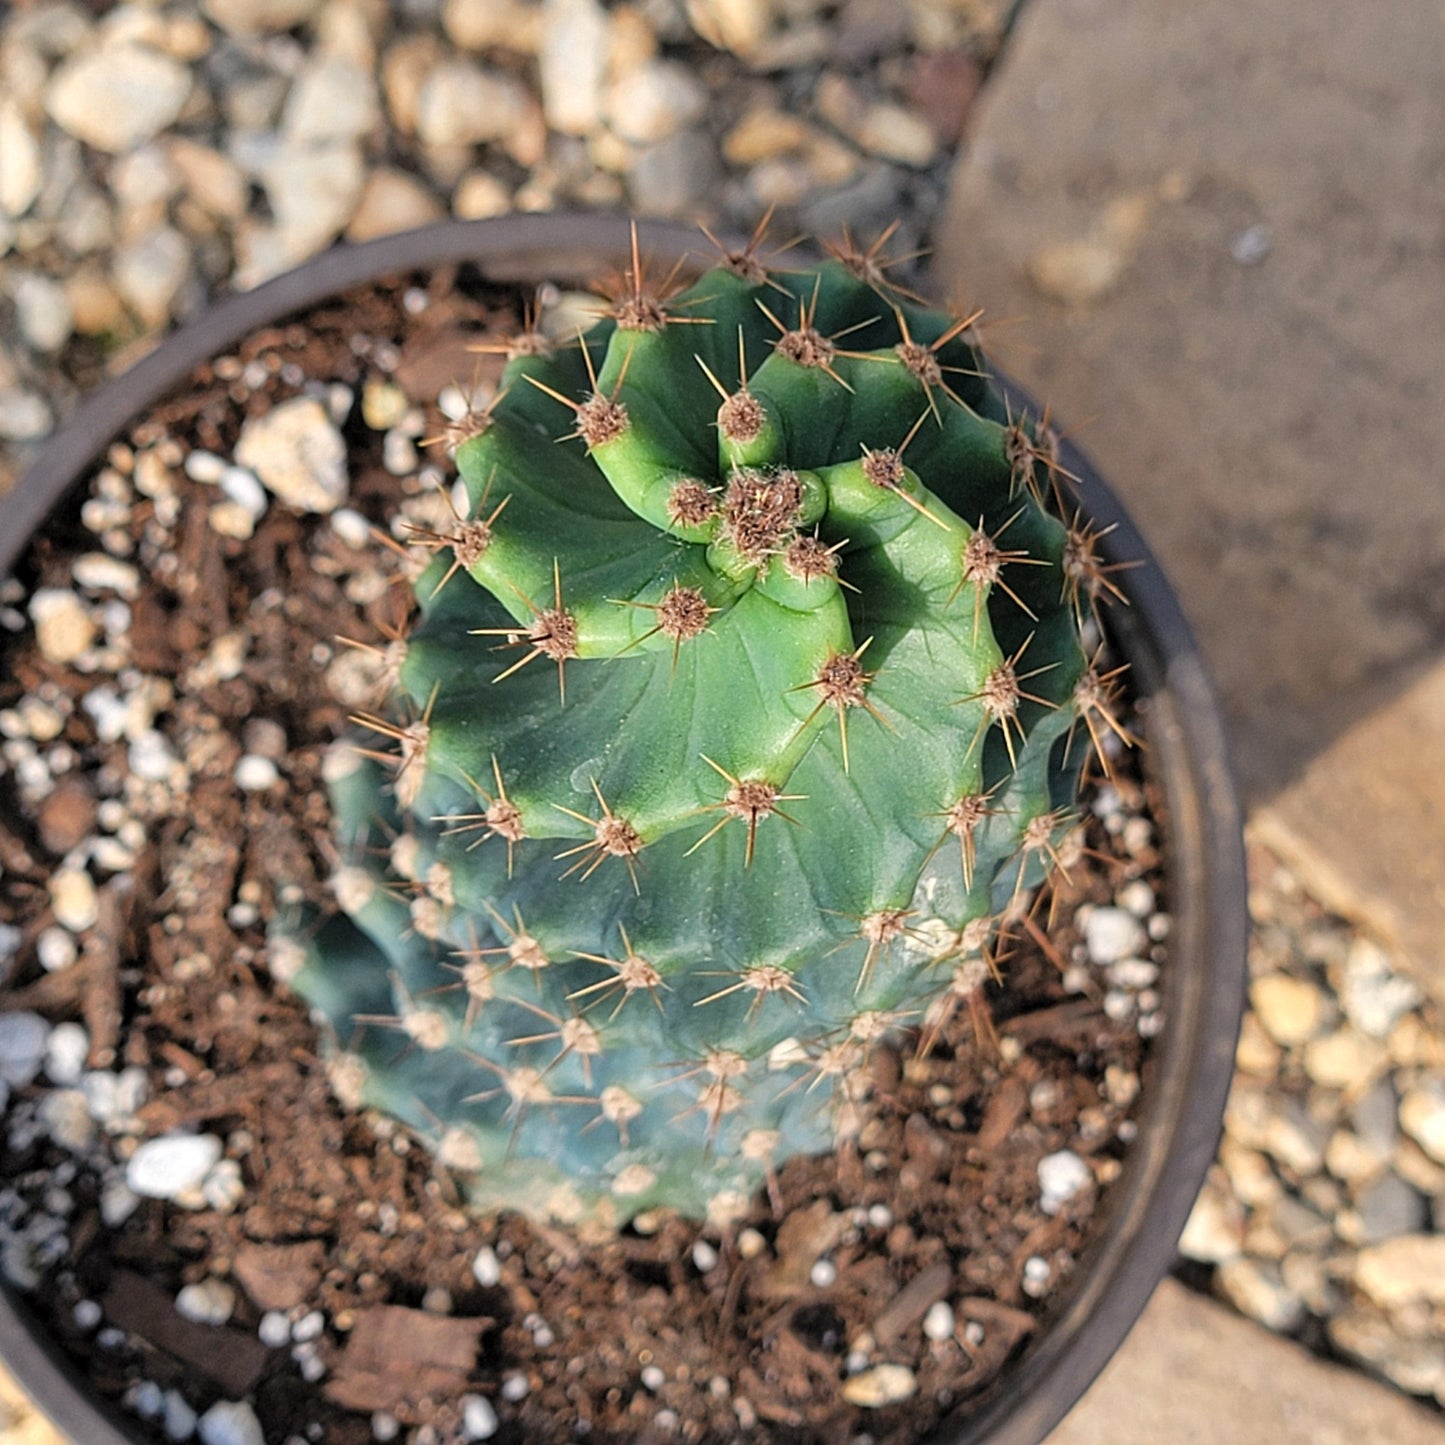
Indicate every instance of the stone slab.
{"type": "Point", "coordinates": [1219, 229]}
{"type": "Point", "coordinates": [1194, 1373]}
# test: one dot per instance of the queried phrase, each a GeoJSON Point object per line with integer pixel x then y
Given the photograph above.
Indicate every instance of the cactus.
{"type": "Point", "coordinates": [747, 695]}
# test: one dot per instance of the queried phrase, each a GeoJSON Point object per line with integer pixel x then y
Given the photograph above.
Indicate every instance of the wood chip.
{"type": "Point", "coordinates": [231, 1358]}
{"type": "Point", "coordinates": [279, 1276]}
{"type": "Point", "coordinates": [911, 1303]}
{"type": "Point", "coordinates": [396, 1357]}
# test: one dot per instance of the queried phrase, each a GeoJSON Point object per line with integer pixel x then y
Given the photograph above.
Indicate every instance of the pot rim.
{"type": "Point", "coordinates": [1192, 1063]}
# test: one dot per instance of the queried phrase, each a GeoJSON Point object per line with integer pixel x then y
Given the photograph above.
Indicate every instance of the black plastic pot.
{"type": "Point", "coordinates": [1192, 1062]}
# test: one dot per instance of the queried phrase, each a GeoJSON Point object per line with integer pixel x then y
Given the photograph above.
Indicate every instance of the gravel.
{"type": "Point", "coordinates": [152, 159]}
{"type": "Point", "coordinates": [1316, 1221]}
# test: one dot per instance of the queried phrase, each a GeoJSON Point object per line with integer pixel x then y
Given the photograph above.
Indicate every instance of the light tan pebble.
{"type": "Point", "coordinates": [461, 103]}
{"type": "Point", "coordinates": [1215, 1229]}
{"type": "Point", "coordinates": [404, 69]}
{"type": "Point", "coordinates": [1256, 1053]}
{"type": "Point", "coordinates": [651, 102]}
{"type": "Point", "coordinates": [117, 96]}
{"type": "Point", "coordinates": [880, 1386]}
{"type": "Point", "coordinates": [740, 26]}
{"type": "Point", "coordinates": [383, 405]}
{"type": "Point", "coordinates": [764, 134]}
{"type": "Point", "coordinates": [350, 29]}
{"type": "Point", "coordinates": [21, 171]}
{"type": "Point", "coordinates": [1403, 1271]}
{"type": "Point", "coordinates": [73, 899]}
{"type": "Point", "coordinates": [392, 200]}
{"type": "Point", "coordinates": [64, 629]}
{"type": "Point", "coordinates": [1290, 1009]}
{"type": "Point", "coordinates": [494, 24]}
{"type": "Point", "coordinates": [480, 194]}
{"type": "Point", "coordinates": [257, 17]}
{"type": "Point", "coordinates": [95, 305]}
{"type": "Point", "coordinates": [331, 99]}
{"type": "Point", "coordinates": [634, 40]}
{"type": "Point", "coordinates": [212, 180]}
{"type": "Point", "coordinates": [1351, 1160]}
{"type": "Point", "coordinates": [1344, 1060]}
{"type": "Point", "coordinates": [1416, 1167]}
{"type": "Point", "coordinates": [1412, 1044]}
{"type": "Point", "coordinates": [298, 454]}
{"type": "Point", "coordinates": [1422, 1116]}
{"type": "Point", "coordinates": [610, 153]}
{"type": "Point", "coordinates": [895, 133]}
{"type": "Point", "coordinates": [231, 519]}
{"type": "Point", "coordinates": [1258, 1291]}
{"type": "Point", "coordinates": [1415, 1365]}
{"type": "Point", "coordinates": [573, 63]}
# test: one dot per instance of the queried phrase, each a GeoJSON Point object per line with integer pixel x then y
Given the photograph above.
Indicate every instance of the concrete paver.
{"type": "Point", "coordinates": [1195, 1373]}
{"type": "Point", "coordinates": [1221, 227]}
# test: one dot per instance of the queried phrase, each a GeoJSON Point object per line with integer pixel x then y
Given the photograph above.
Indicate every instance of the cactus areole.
{"type": "Point", "coordinates": [745, 703]}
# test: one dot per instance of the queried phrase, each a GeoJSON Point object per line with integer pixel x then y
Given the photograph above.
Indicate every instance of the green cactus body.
{"type": "Point", "coordinates": [742, 704]}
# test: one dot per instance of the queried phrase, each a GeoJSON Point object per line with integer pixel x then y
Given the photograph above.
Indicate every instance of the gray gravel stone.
{"type": "Point", "coordinates": [1389, 1207]}
{"type": "Point", "coordinates": [672, 177]}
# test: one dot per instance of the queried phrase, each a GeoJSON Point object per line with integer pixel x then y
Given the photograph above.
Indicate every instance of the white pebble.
{"type": "Point", "coordinates": [385, 1427]}
{"type": "Point", "coordinates": [308, 1327]}
{"type": "Point", "coordinates": [56, 949]}
{"type": "Point", "coordinates": [479, 1419]}
{"type": "Point", "coordinates": [880, 1216]}
{"type": "Point", "coordinates": [243, 487]}
{"type": "Point", "coordinates": [171, 1165]}
{"type": "Point", "coordinates": [486, 1268]}
{"type": "Point", "coordinates": [1036, 1276]}
{"type": "Point", "coordinates": [65, 1053]}
{"type": "Point", "coordinates": [208, 1302]}
{"type": "Point", "coordinates": [87, 1314]}
{"type": "Point", "coordinates": [1133, 973]}
{"type": "Point", "coordinates": [1111, 934]}
{"type": "Point", "coordinates": [73, 899]}
{"type": "Point", "coordinates": [102, 573]}
{"type": "Point", "coordinates": [515, 1387]}
{"type": "Point", "coordinates": [1136, 897]}
{"type": "Point", "coordinates": [313, 1369]}
{"type": "Point", "coordinates": [1061, 1176]}
{"type": "Point", "coordinates": [256, 774]}
{"type": "Point", "coordinates": [205, 467]}
{"type": "Point", "coordinates": [230, 1422]}
{"type": "Point", "coordinates": [179, 1419]}
{"type": "Point", "coordinates": [973, 1334]}
{"type": "Point", "coordinates": [704, 1256]}
{"type": "Point", "coordinates": [274, 1331]}
{"type": "Point", "coordinates": [65, 1116]}
{"type": "Point", "coordinates": [652, 1378]}
{"type": "Point", "coordinates": [1118, 1005]}
{"type": "Point", "coordinates": [351, 527]}
{"type": "Point", "coordinates": [823, 1273]}
{"type": "Point", "coordinates": [146, 1399]}
{"type": "Point", "coordinates": [938, 1323]}
{"type": "Point", "coordinates": [23, 1037]}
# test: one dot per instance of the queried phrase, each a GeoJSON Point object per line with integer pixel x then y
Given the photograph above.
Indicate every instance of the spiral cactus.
{"type": "Point", "coordinates": [747, 695]}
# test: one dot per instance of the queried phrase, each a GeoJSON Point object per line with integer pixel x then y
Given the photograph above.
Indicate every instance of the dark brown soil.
{"type": "Point", "coordinates": [630, 1340]}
